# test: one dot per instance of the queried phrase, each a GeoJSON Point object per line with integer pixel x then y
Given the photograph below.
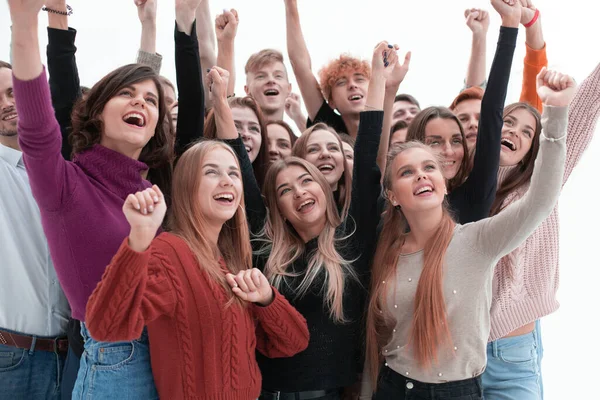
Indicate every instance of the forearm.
{"type": "Point", "coordinates": [224, 120]}
{"type": "Point", "coordinates": [300, 121]}
{"type": "Point", "coordinates": [206, 42]}
{"type": "Point", "coordinates": [388, 109]}
{"type": "Point", "coordinates": [535, 60]}
{"type": "Point", "coordinates": [534, 36]}
{"type": "Point", "coordinates": [58, 21]}
{"type": "Point", "coordinates": [477, 62]}
{"type": "Point", "coordinates": [148, 40]}
{"type": "Point", "coordinates": [26, 58]}
{"type": "Point", "coordinates": [226, 60]}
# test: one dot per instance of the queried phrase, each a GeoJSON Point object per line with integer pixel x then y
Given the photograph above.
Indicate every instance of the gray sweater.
{"type": "Point", "coordinates": [470, 259]}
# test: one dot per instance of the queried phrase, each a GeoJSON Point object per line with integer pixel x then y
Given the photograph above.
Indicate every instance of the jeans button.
{"type": "Point", "coordinates": [410, 385]}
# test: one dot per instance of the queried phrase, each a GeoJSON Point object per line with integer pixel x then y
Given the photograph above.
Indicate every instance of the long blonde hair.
{"type": "Point", "coordinates": [284, 245]}
{"type": "Point", "coordinates": [429, 329]}
{"type": "Point", "coordinates": [186, 219]}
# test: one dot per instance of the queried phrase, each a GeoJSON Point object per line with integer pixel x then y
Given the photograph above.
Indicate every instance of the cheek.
{"type": "Point", "coordinates": [285, 206]}
{"type": "Point", "coordinates": [311, 157]}
{"type": "Point", "coordinates": [285, 151]}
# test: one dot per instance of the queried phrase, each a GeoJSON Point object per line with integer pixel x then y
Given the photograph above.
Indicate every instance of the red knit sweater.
{"type": "Point", "coordinates": [199, 349]}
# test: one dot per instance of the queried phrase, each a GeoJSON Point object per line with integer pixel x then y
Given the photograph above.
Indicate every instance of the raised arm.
{"type": "Point", "coordinates": [478, 22]}
{"type": "Point", "coordinates": [256, 212]}
{"type": "Point", "coordinates": [300, 60]}
{"type": "Point", "coordinates": [501, 234]}
{"type": "Point", "coordinates": [583, 116]}
{"type": "Point", "coordinates": [206, 43]}
{"type": "Point", "coordinates": [135, 288]}
{"type": "Point", "coordinates": [147, 54]}
{"type": "Point", "coordinates": [190, 120]}
{"type": "Point", "coordinates": [478, 192]}
{"type": "Point", "coordinates": [293, 109]}
{"type": "Point", "coordinates": [535, 53]}
{"type": "Point", "coordinates": [226, 28]}
{"type": "Point", "coordinates": [62, 70]}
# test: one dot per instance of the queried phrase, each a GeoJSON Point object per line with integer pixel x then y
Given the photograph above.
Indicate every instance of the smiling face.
{"type": "Point", "coordinates": [349, 93]}
{"type": "Point", "coordinates": [269, 86]}
{"type": "Point", "coordinates": [399, 136]}
{"type": "Point", "coordinates": [300, 199]}
{"type": "Point", "coordinates": [279, 144]}
{"type": "Point", "coordinates": [220, 190]}
{"type": "Point", "coordinates": [468, 113]}
{"type": "Point", "coordinates": [8, 111]}
{"type": "Point", "coordinates": [416, 182]}
{"type": "Point", "coordinates": [248, 127]}
{"type": "Point", "coordinates": [349, 155]}
{"type": "Point", "coordinates": [130, 118]}
{"type": "Point", "coordinates": [404, 111]}
{"type": "Point", "coordinates": [324, 151]}
{"type": "Point", "coordinates": [517, 135]}
{"type": "Point", "coordinates": [445, 139]}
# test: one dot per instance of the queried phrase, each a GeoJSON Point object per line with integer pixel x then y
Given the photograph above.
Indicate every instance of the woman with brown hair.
{"type": "Point", "coordinates": [318, 260]}
{"type": "Point", "coordinates": [321, 146]}
{"type": "Point", "coordinates": [251, 126]}
{"type": "Point", "coordinates": [196, 282]}
{"type": "Point", "coordinates": [431, 289]}
{"type": "Point", "coordinates": [280, 140]}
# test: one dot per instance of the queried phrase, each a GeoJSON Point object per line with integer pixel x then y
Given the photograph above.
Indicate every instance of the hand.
{"type": "Point", "coordinates": [226, 25]}
{"type": "Point", "coordinates": [59, 5]}
{"type": "Point", "coordinates": [251, 285]}
{"type": "Point", "coordinates": [510, 12]}
{"type": "Point", "coordinates": [24, 11]}
{"type": "Point", "coordinates": [399, 73]}
{"type": "Point", "coordinates": [555, 89]}
{"type": "Point", "coordinates": [384, 60]}
{"type": "Point", "coordinates": [527, 11]}
{"type": "Point", "coordinates": [145, 212]}
{"type": "Point", "coordinates": [217, 80]}
{"type": "Point", "coordinates": [478, 21]}
{"type": "Point", "coordinates": [292, 106]}
{"type": "Point", "coordinates": [146, 10]}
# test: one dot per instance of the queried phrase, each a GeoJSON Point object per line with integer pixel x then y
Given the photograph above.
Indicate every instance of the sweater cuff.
{"type": "Point", "coordinates": [133, 259]}
{"type": "Point", "coordinates": [61, 39]}
{"type": "Point", "coordinates": [508, 35]}
{"type": "Point", "coordinates": [273, 311]}
{"type": "Point", "coordinates": [554, 122]}
{"type": "Point", "coordinates": [33, 101]}
{"type": "Point", "coordinates": [182, 38]}
{"type": "Point", "coordinates": [371, 120]}
{"type": "Point", "coordinates": [153, 60]}
{"type": "Point", "coordinates": [536, 57]}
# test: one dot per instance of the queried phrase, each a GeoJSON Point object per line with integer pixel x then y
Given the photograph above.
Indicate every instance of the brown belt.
{"type": "Point", "coordinates": [58, 345]}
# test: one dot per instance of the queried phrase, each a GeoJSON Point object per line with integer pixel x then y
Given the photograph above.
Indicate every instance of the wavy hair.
{"type": "Point", "coordinates": [429, 329]}
{"type": "Point", "coordinates": [344, 191]}
{"type": "Point", "coordinates": [284, 245]}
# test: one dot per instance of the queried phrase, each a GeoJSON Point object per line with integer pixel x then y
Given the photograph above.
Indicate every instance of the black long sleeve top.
{"type": "Point", "coordinates": [333, 356]}
{"type": "Point", "coordinates": [473, 200]}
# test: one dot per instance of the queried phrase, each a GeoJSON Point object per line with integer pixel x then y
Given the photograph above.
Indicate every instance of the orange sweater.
{"type": "Point", "coordinates": [534, 61]}
{"type": "Point", "coordinates": [199, 348]}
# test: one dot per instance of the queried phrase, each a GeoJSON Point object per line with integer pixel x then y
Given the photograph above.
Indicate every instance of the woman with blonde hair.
{"type": "Point", "coordinates": [431, 290]}
{"type": "Point", "coordinates": [196, 282]}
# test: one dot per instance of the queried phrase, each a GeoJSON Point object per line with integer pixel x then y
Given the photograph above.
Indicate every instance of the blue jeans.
{"type": "Point", "coordinates": [29, 375]}
{"type": "Point", "coordinates": [114, 370]}
{"type": "Point", "coordinates": [514, 368]}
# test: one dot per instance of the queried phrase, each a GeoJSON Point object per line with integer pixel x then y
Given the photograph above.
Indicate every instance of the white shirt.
{"type": "Point", "coordinates": [31, 299]}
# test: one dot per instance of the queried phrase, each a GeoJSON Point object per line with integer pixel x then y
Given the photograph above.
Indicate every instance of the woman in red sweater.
{"type": "Point", "coordinates": [192, 287]}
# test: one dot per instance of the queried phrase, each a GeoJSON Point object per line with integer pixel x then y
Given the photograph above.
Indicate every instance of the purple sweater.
{"type": "Point", "coordinates": [81, 201]}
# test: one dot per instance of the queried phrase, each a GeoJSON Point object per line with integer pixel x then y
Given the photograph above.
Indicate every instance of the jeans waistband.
{"type": "Point", "coordinates": [464, 387]}
{"type": "Point", "coordinates": [306, 395]}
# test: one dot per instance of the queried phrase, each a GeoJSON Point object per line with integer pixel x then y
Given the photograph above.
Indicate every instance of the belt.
{"type": "Point", "coordinates": [307, 395]}
{"type": "Point", "coordinates": [58, 345]}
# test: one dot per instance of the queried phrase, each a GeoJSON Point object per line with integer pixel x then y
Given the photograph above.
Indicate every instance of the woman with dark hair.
{"type": "Point", "coordinates": [471, 191]}
{"type": "Point", "coordinates": [431, 288]}
{"type": "Point", "coordinates": [321, 146]}
{"type": "Point", "coordinates": [280, 140]}
{"type": "Point", "coordinates": [118, 133]}
{"type": "Point", "coordinates": [196, 281]}
{"type": "Point", "coordinates": [526, 280]}
{"type": "Point", "coordinates": [251, 126]}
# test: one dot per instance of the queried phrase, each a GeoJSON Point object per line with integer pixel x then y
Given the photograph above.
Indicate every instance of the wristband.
{"type": "Point", "coordinates": [65, 13]}
{"type": "Point", "coordinates": [534, 19]}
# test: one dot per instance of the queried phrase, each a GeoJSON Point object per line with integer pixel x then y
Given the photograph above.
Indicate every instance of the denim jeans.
{"type": "Point", "coordinates": [114, 370]}
{"type": "Point", "coordinates": [29, 375]}
{"type": "Point", "coordinates": [393, 386]}
{"type": "Point", "coordinates": [513, 369]}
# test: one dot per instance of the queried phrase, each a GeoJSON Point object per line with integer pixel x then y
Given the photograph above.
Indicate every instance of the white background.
{"type": "Point", "coordinates": [109, 32]}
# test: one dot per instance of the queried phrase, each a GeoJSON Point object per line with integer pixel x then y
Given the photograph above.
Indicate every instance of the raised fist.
{"type": "Point", "coordinates": [554, 88]}
{"type": "Point", "coordinates": [477, 20]}
{"type": "Point", "coordinates": [226, 25]}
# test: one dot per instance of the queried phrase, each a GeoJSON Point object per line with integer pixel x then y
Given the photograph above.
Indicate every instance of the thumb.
{"type": "Point", "coordinates": [407, 59]}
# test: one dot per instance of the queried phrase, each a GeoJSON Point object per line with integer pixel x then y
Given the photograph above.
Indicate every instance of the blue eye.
{"type": "Point", "coordinates": [406, 172]}
{"type": "Point", "coordinates": [284, 191]}
{"type": "Point", "coordinates": [430, 167]}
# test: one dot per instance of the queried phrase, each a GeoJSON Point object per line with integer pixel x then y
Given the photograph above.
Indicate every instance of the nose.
{"type": "Point", "coordinates": [245, 135]}
{"type": "Point", "coordinates": [138, 101]}
{"type": "Point", "coordinates": [447, 149]}
{"type": "Point", "coordinates": [325, 154]}
{"type": "Point", "coordinates": [299, 192]}
{"type": "Point", "coordinates": [273, 150]}
{"type": "Point", "coordinates": [226, 180]}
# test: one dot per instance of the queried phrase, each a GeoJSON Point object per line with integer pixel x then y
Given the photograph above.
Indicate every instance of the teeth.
{"type": "Point", "coordinates": [508, 143]}
{"type": "Point", "coordinates": [10, 116]}
{"type": "Point", "coordinates": [327, 167]}
{"type": "Point", "coordinates": [305, 203]}
{"type": "Point", "coordinates": [424, 189]}
{"type": "Point", "coordinates": [248, 149]}
{"type": "Point", "coordinates": [139, 117]}
{"type": "Point", "coordinates": [356, 97]}
{"type": "Point", "coordinates": [226, 196]}
{"type": "Point", "coordinates": [447, 163]}
{"type": "Point", "coordinates": [271, 92]}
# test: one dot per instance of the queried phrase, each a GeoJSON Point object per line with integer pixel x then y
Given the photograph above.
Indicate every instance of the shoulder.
{"type": "Point", "coordinates": [170, 244]}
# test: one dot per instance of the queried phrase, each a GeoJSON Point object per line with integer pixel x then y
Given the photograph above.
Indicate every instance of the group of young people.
{"type": "Point", "coordinates": [179, 242]}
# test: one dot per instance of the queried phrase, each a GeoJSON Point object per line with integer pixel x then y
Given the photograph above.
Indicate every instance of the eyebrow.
{"type": "Point", "coordinates": [409, 165]}
{"type": "Point", "coordinates": [231, 167]}
{"type": "Point", "coordinates": [285, 184]}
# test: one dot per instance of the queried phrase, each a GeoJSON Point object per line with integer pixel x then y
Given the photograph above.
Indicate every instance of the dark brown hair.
{"type": "Point", "coordinates": [287, 127]}
{"type": "Point", "coordinates": [521, 175]}
{"type": "Point", "coordinates": [416, 131]}
{"type": "Point", "coordinates": [4, 64]}
{"type": "Point", "coordinates": [408, 98]}
{"type": "Point", "coordinates": [261, 163]}
{"type": "Point", "coordinates": [472, 93]}
{"type": "Point", "coordinates": [347, 139]}
{"type": "Point", "coordinates": [397, 126]}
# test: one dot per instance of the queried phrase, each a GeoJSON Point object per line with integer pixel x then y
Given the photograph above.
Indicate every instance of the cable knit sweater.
{"type": "Point", "coordinates": [200, 348]}
{"type": "Point", "coordinates": [526, 280]}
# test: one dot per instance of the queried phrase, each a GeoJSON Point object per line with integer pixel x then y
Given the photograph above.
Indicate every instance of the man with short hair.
{"type": "Point", "coordinates": [406, 108]}
{"type": "Point", "coordinates": [467, 107]}
{"type": "Point", "coordinates": [33, 307]}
